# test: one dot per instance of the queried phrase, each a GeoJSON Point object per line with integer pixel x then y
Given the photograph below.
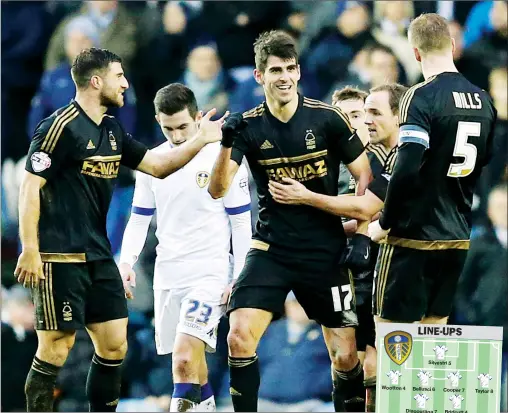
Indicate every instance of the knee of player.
{"type": "Point", "coordinates": [184, 364]}
{"type": "Point", "coordinates": [370, 364]}
{"type": "Point", "coordinates": [113, 349]}
{"type": "Point", "coordinates": [241, 342]}
{"type": "Point", "coordinates": [54, 346]}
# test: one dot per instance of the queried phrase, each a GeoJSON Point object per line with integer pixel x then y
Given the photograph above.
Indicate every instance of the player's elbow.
{"type": "Point", "coordinates": [215, 191]}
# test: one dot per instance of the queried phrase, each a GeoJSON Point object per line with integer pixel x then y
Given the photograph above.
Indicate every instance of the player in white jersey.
{"type": "Point", "coordinates": [440, 352]}
{"type": "Point", "coordinates": [424, 377]}
{"type": "Point", "coordinates": [484, 380]}
{"type": "Point", "coordinates": [394, 376]}
{"type": "Point", "coordinates": [454, 378]}
{"type": "Point", "coordinates": [192, 267]}
{"type": "Point", "coordinates": [421, 400]}
{"type": "Point", "coordinates": [456, 400]}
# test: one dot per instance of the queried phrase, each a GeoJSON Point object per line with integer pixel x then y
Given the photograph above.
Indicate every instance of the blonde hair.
{"type": "Point", "coordinates": [429, 33]}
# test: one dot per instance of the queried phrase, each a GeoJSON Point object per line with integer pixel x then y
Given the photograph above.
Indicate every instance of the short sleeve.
{"type": "Point", "coordinates": [133, 151]}
{"type": "Point", "coordinates": [143, 202]}
{"type": "Point", "coordinates": [341, 135]}
{"type": "Point", "coordinates": [240, 147]}
{"type": "Point", "coordinates": [49, 149]}
{"type": "Point", "coordinates": [415, 118]}
{"type": "Point", "coordinates": [237, 200]}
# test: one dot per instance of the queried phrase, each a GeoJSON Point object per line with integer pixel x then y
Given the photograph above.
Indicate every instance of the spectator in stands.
{"type": "Point", "coordinates": [295, 366]}
{"type": "Point", "coordinates": [490, 51]}
{"type": "Point", "coordinates": [116, 27]}
{"type": "Point", "coordinates": [19, 343]}
{"type": "Point", "coordinates": [330, 57]}
{"type": "Point", "coordinates": [391, 20]}
{"type": "Point", "coordinates": [57, 88]}
{"type": "Point", "coordinates": [204, 74]}
{"type": "Point", "coordinates": [383, 67]}
{"type": "Point", "coordinates": [25, 34]}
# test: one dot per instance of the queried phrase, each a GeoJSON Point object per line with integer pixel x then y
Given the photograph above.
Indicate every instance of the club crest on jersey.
{"type": "Point", "coordinates": [112, 141]}
{"type": "Point", "coordinates": [310, 139]}
{"type": "Point", "coordinates": [398, 345]}
{"type": "Point", "coordinates": [202, 178]}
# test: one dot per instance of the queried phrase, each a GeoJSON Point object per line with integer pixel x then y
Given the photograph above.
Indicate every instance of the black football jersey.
{"type": "Point", "coordinates": [454, 120]}
{"type": "Point", "coordinates": [80, 161]}
{"type": "Point", "coordinates": [308, 148]}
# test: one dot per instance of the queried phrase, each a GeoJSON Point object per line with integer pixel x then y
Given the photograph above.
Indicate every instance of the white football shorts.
{"type": "Point", "coordinates": [195, 311]}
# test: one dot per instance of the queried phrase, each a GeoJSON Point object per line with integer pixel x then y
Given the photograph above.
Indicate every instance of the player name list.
{"type": "Point", "coordinates": [438, 368]}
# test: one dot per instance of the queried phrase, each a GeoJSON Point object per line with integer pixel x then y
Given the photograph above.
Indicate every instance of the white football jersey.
{"type": "Point", "coordinates": [421, 400]}
{"type": "Point", "coordinates": [454, 379]}
{"type": "Point", "coordinates": [440, 352]}
{"type": "Point", "coordinates": [484, 380]}
{"type": "Point", "coordinates": [394, 376]}
{"type": "Point", "coordinates": [424, 377]}
{"type": "Point", "coordinates": [193, 229]}
{"type": "Point", "coordinates": [456, 400]}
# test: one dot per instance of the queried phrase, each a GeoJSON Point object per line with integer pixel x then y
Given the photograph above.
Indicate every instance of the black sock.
{"type": "Point", "coordinates": [348, 389]}
{"type": "Point", "coordinates": [103, 384]}
{"type": "Point", "coordinates": [40, 386]}
{"type": "Point", "coordinates": [370, 394]}
{"type": "Point", "coordinates": [244, 383]}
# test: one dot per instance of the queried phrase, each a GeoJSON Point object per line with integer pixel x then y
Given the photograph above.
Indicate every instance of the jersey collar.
{"type": "Point", "coordinates": [276, 121]}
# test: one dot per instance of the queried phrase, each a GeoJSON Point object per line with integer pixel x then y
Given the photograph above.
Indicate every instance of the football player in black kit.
{"type": "Point", "coordinates": [294, 247]}
{"type": "Point", "coordinates": [382, 120]}
{"type": "Point", "coordinates": [66, 259]}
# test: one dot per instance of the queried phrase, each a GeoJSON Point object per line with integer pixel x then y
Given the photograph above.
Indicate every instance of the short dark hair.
{"type": "Point", "coordinates": [90, 61]}
{"type": "Point", "coordinates": [348, 93]}
{"type": "Point", "coordinates": [274, 43]}
{"type": "Point", "coordinates": [174, 98]}
{"type": "Point", "coordinates": [395, 93]}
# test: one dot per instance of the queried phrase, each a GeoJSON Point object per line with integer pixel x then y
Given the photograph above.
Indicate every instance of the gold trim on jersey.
{"type": "Point", "coordinates": [382, 275]}
{"type": "Point", "coordinates": [46, 295]}
{"type": "Point", "coordinates": [317, 104]}
{"type": "Point", "coordinates": [390, 162]}
{"type": "Point", "coordinates": [259, 245]}
{"type": "Point", "coordinates": [408, 96]}
{"type": "Point", "coordinates": [110, 158]}
{"type": "Point", "coordinates": [63, 257]}
{"type": "Point", "coordinates": [57, 127]}
{"type": "Point", "coordinates": [428, 245]}
{"type": "Point", "coordinates": [379, 151]}
{"type": "Point", "coordinates": [300, 158]}
{"type": "Point", "coordinates": [252, 113]}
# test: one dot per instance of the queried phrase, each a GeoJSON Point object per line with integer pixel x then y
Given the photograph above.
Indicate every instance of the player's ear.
{"type": "Point", "coordinates": [157, 118]}
{"type": "Point", "coordinates": [96, 81]}
{"type": "Point", "coordinates": [199, 116]}
{"type": "Point", "coordinates": [418, 57]}
{"type": "Point", "coordinates": [258, 76]}
{"type": "Point", "coordinates": [299, 72]}
{"type": "Point", "coordinates": [453, 45]}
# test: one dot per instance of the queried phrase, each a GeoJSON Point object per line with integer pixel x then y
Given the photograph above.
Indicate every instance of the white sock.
{"type": "Point", "coordinates": [207, 405]}
{"type": "Point", "coordinates": [182, 405]}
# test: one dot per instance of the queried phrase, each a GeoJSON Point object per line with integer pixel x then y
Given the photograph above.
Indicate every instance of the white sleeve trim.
{"type": "Point", "coordinates": [134, 238]}
{"type": "Point", "coordinates": [241, 232]}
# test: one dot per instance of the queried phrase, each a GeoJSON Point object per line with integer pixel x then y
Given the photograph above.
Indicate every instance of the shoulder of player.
{"type": "Point", "coordinates": [255, 112]}
{"type": "Point", "coordinates": [54, 126]}
{"type": "Point", "coordinates": [328, 111]}
{"type": "Point", "coordinates": [424, 88]}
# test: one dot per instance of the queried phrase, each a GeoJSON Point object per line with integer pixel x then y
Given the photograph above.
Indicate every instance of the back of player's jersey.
{"type": "Point", "coordinates": [454, 119]}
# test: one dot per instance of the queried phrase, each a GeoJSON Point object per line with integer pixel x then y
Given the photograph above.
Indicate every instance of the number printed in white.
{"type": "Point", "coordinates": [464, 149]}
{"type": "Point", "coordinates": [340, 304]}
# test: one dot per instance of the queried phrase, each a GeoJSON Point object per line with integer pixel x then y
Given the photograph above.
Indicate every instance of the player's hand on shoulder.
{"type": "Point", "coordinates": [29, 268]}
{"type": "Point", "coordinates": [357, 254]}
{"type": "Point", "coordinates": [376, 233]}
{"type": "Point", "coordinates": [128, 279]}
{"type": "Point", "coordinates": [210, 130]}
{"type": "Point", "coordinates": [233, 124]}
{"type": "Point", "coordinates": [288, 191]}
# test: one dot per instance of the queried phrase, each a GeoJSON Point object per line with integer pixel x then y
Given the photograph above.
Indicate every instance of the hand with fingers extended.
{"type": "Point", "coordinates": [29, 268]}
{"type": "Point", "coordinates": [128, 279]}
{"type": "Point", "coordinates": [210, 130]}
{"type": "Point", "coordinates": [288, 192]}
{"type": "Point", "coordinates": [232, 126]}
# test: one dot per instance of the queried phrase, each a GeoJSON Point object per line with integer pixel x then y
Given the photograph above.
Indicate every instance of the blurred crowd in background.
{"type": "Point", "coordinates": [208, 47]}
